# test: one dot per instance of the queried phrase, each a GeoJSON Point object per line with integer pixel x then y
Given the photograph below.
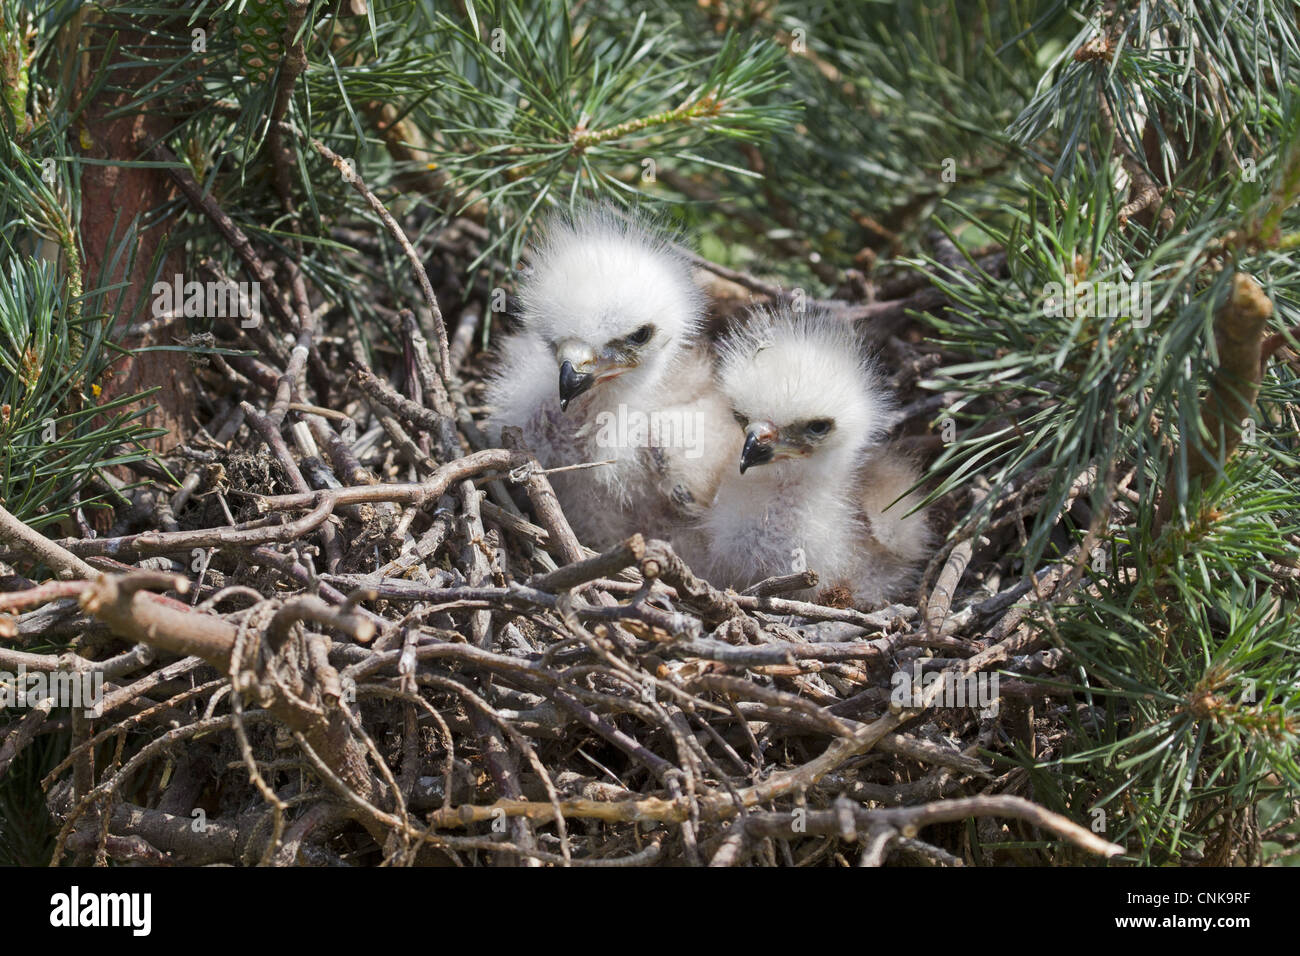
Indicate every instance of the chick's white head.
{"type": "Point", "coordinates": [801, 387]}
{"type": "Point", "coordinates": [612, 300]}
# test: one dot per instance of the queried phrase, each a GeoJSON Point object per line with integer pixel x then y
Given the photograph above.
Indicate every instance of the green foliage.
{"type": "Point", "coordinates": [27, 831]}
{"type": "Point", "coordinates": [1188, 675]}
{"type": "Point", "coordinates": [539, 109]}
{"type": "Point", "coordinates": [54, 430]}
{"type": "Point", "coordinates": [903, 104]}
{"type": "Point", "coordinates": [1185, 710]}
{"type": "Point", "coordinates": [513, 108]}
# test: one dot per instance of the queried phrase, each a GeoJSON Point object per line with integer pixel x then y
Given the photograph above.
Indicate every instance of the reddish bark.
{"type": "Point", "coordinates": [112, 196]}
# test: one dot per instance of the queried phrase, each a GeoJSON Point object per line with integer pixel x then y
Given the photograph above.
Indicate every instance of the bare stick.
{"type": "Point", "coordinates": [660, 562]}
{"type": "Point", "coordinates": [782, 584]}
{"type": "Point", "coordinates": [623, 555]}
{"type": "Point", "coordinates": [19, 536]}
{"type": "Point", "coordinates": [417, 494]}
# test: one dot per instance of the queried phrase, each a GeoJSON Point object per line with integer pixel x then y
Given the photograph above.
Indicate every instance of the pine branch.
{"type": "Point", "coordinates": [1238, 331]}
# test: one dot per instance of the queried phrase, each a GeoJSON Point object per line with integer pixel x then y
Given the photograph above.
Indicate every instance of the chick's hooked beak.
{"type": "Point", "coordinates": [760, 445]}
{"type": "Point", "coordinates": [581, 368]}
{"type": "Point", "coordinates": [573, 383]}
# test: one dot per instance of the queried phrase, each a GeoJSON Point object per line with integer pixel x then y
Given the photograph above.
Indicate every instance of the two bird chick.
{"type": "Point", "coordinates": [762, 456]}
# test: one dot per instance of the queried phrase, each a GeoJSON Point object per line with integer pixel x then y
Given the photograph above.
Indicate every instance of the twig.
{"type": "Point", "coordinates": [19, 536]}
{"type": "Point", "coordinates": [417, 494]}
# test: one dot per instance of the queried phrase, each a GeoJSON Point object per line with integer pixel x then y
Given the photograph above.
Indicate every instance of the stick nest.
{"type": "Point", "coordinates": [357, 635]}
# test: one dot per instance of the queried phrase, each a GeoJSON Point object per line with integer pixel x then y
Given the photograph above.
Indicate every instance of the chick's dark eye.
{"type": "Point", "coordinates": [642, 335]}
{"type": "Point", "coordinates": [819, 427]}
{"type": "Point", "coordinates": [741, 420]}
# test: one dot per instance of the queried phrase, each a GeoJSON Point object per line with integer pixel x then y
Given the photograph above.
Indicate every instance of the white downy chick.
{"type": "Point", "coordinates": [608, 366]}
{"type": "Point", "coordinates": [817, 485]}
